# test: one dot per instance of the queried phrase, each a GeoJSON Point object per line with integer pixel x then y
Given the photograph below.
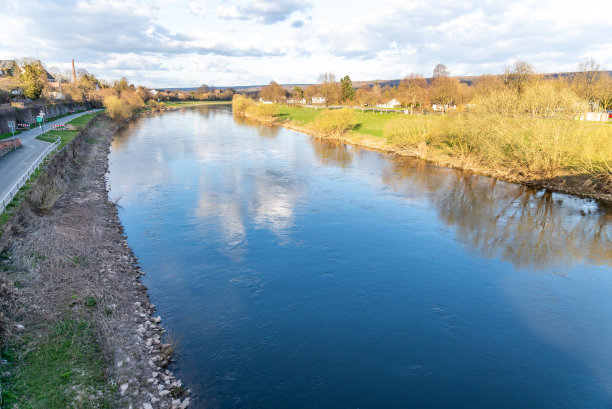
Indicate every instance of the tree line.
{"type": "Point", "coordinates": [32, 80]}
{"type": "Point", "coordinates": [417, 93]}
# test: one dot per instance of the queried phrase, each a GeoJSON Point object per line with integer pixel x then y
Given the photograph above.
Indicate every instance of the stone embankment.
{"type": "Point", "coordinates": [69, 248]}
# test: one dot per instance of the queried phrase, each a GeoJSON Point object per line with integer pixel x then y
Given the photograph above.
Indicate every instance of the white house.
{"type": "Point", "coordinates": [390, 104]}
{"type": "Point", "coordinates": [318, 100]}
{"type": "Point", "coordinates": [443, 108]}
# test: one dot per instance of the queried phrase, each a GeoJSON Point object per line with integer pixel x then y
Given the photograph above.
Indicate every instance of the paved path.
{"type": "Point", "coordinates": [14, 164]}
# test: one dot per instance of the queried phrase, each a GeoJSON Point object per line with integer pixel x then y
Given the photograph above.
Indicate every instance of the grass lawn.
{"type": "Point", "coordinates": [302, 115]}
{"type": "Point", "coordinates": [368, 122]}
{"type": "Point", "coordinates": [67, 136]}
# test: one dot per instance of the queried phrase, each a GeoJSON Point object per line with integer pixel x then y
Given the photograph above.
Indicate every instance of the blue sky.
{"type": "Point", "coordinates": [185, 43]}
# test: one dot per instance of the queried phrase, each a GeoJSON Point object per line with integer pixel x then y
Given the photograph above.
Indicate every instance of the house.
{"type": "Point", "coordinates": [595, 116]}
{"type": "Point", "coordinates": [443, 108]}
{"type": "Point", "coordinates": [296, 101]}
{"type": "Point", "coordinates": [318, 100]}
{"type": "Point", "coordinates": [391, 104]}
{"type": "Point", "coordinates": [8, 67]}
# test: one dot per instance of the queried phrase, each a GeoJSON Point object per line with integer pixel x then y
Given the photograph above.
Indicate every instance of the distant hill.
{"type": "Point", "coordinates": [468, 79]}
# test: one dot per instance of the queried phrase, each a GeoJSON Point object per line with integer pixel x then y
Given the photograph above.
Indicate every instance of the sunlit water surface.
{"type": "Point", "coordinates": [302, 274]}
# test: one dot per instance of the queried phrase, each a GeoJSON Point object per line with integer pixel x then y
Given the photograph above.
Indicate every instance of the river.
{"type": "Point", "coordinates": [296, 273]}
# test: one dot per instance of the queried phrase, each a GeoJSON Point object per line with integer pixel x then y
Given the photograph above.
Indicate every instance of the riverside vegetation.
{"type": "Point", "coordinates": [531, 136]}
{"type": "Point", "coordinates": [76, 326]}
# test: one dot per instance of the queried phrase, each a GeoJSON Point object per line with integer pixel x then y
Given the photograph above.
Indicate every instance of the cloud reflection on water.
{"type": "Point", "coordinates": [264, 179]}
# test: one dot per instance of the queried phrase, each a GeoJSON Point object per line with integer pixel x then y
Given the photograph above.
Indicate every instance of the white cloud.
{"type": "Point", "coordinates": [188, 42]}
{"type": "Point", "coordinates": [263, 11]}
{"type": "Point", "coordinates": [197, 8]}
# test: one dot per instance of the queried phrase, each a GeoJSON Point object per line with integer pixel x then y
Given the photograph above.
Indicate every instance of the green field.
{"type": "Point", "coordinates": [368, 122]}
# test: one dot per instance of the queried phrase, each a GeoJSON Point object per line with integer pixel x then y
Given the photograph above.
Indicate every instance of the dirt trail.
{"type": "Point", "coordinates": [71, 246]}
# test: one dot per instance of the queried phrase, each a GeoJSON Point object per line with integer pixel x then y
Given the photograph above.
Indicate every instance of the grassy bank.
{"type": "Point", "coordinates": [64, 368]}
{"type": "Point", "coordinates": [193, 103]}
{"type": "Point", "coordinates": [76, 326]}
{"type": "Point", "coordinates": [49, 362]}
{"type": "Point", "coordinates": [537, 147]}
{"type": "Point", "coordinates": [66, 137]}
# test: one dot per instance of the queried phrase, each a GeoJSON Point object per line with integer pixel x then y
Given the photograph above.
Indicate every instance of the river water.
{"type": "Point", "coordinates": [295, 273]}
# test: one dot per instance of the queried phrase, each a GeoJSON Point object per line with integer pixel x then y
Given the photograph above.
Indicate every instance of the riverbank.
{"type": "Point", "coordinates": [182, 104]}
{"type": "Point", "coordinates": [77, 326]}
{"type": "Point", "coordinates": [370, 134]}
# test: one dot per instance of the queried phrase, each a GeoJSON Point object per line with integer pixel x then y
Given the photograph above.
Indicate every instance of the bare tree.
{"type": "Point", "coordinates": [329, 88]}
{"type": "Point", "coordinates": [440, 70]}
{"type": "Point", "coordinates": [519, 75]}
{"type": "Point", "coordinates": [445, 91]}
{"type": "Point", "coordinates": [412, 91]}
{"type": "Point", "coordinates": [590, 81]}
{"type": "Point", "coordinates": [273, 92]}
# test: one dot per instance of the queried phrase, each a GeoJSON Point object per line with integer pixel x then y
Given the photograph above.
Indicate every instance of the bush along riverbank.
{"type": "Point", "coordinates": [524, 139]}
{"type": "Point", "coordinates": [76, 326]}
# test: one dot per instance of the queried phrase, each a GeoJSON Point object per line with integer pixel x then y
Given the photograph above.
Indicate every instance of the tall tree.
{"type": "Point", "coordinates": [329, 88]}
{"type": "Point", "coordinates": [519, 75]}
{"type": "Point", "coordinates": [445, 91]}
{"type": "Point", "coordinates": [122, 85]}
{"type": "Point", "coordinates": [298, 93]}
{"type": "Point", "coordinates": [273, 92]}
{"type": "Point", "coordinates": [33, 79]}
{"type": "Point", "coordinates": [363, 95]}
{"type": "Point", "coordinates": [348, 92]}
{"type": "Point", "coordinates": [412, 92]}
{"type": "Point", "coordinates": [440, 70]}
{"type": "Point", "coordinates": [591, 82]}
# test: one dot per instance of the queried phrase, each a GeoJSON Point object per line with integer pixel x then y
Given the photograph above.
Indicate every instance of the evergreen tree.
{"type": "Point", "coordinates": [33, 79]}
{"type": "Point", "coordinates": [348, 92]}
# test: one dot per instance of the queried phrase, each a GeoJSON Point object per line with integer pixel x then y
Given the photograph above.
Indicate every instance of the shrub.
{"type": "Point", "coordinates": [335, 122]}
{"type": "Point", "coordinates": [265, 111]}
{"type": "Point", "coordinates": [132, 99]}
{"type": "Point", "coordinates": [407, 131]}
{"type": "Point", "coordinates": [156, 106]}
{"type": "Point", "coordinates": [533, 133]}
{"type": "Point", "coordinates": [116, 108]}
{"type": "Point", "coordinates": [240, 104]}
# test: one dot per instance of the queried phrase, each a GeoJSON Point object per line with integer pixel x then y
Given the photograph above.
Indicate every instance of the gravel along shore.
{"type": "Point", "coordinates": [67, 270]}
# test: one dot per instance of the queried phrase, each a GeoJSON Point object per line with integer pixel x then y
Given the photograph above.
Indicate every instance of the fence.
{"type": "Point", "coordinates": [26, 176]}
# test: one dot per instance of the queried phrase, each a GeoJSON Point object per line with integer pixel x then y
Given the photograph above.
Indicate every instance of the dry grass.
{"type": "Point", "coordinates": [334, 122]}
{"type": "Point", "coordinates": [533, 134]}
{"type": "Point", "coordinates": [262, 111]}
